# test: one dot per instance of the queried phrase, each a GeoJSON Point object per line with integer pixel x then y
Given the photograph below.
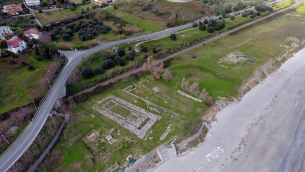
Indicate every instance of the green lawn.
{"type": "Point", "coordinates": [145, 25]}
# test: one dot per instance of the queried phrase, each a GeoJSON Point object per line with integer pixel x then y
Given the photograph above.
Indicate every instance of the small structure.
{"type": "Point", "coordinates": [16, 45]}
{"type": "Point", "coordinates": [110, 139]}
{"type": "Point", "coordinates": [5, 30]}
{"type": "Point", "coordinates": [169, 153]}
{"type": "Point", "coordinates": [32, 33]}
{"type": "Point", "coordinates": [32, 2]}
{"type": "Point", "coordinates": [13, 9]}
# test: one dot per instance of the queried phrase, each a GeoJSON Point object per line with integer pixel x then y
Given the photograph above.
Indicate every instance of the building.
{"type": "Point", "coordinates": [16, 45]}
{"type": "Point", "coordinates": [5, 30]}
{"type": "Point", "coordinates": [101, 1]}
{"type": "Point", "coordinates": [32, 33]}
{"type": "Point", "coordinates": [32, 2]}
{"type": "Point", "coordinates": [13, 9]}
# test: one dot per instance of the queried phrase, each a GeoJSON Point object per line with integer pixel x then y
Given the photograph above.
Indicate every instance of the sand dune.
{"type": "Point", "coordinates": [263, 132]}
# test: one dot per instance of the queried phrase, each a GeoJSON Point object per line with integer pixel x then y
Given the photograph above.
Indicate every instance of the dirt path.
{"type": "Point", "coordinates": [142, 69]}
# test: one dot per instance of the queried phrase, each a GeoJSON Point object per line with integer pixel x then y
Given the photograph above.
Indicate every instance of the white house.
{"type": "Point", "coordinates": [32, 33]}
{"type": "Point", "coordinates": [16, 45]}
{"type": "Point", "coordinates": [5, 30]}
{"type": "Point", "coordinates": [32, 2]}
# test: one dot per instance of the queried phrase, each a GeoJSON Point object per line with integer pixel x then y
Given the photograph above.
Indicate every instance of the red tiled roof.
{"type": "Point", "coordinates": [31, 31]}
{"type": "Point", "coordinates": [14, 43]}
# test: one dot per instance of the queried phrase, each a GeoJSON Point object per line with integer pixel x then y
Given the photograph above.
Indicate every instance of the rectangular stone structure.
{"type": "Point", "coordinates": [138, 122]}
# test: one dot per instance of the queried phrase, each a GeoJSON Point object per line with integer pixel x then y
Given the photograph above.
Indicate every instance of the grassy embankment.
{"type": "Point", "coordinates": [20, 86]}
{"type": "Point", "coordinates": [259, 43]}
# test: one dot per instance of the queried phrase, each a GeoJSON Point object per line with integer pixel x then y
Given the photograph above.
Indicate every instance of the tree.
{"type": "Point", "coordinates": [37, 51]}
{"type": "Point", "coordinates": [194, 88]}
{"type": "Point", "coordinates": [120, 61]}
{"type": "Point", "coordinates": [144, 49]}
{"type": "Point", "coordinates": [211, 29]}
{"type": "Point", "coordinates": [121, 52]}
{"type": "Point", "coordinates": [195, 24]}
{"type": "Point", "coordinates": [3, 44]}
{"type": "Point", "coordinates": [185, 85]}
{"type": "Point", "coordinates": [173, 37]}
{"type": "Point", "coordinates": [82, 11]}
{"type": "Point", "coordinates": [108, 63]}
{"type": "Point", "coordinates": [157, 72]}
{"type": "Point", "coordinates": [202, 27]}
{"type": "Point", "coordinates": [232, 17]}
{"type": "Point", "coordinates": [167, 75]}
{"type": "Point", "coordinates": [200, 23]}
{"type": "Point", "coordinates": [87, 73]}
{"type": "Point", "coordinates": [206, 21]}
{"type": "Point", "coordinates": [258, 13]}
{"type": "Point", "coordinates": [83, 1]}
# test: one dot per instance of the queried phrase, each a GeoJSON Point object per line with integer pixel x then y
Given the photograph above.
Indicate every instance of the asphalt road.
{"type": "Point", "coordinates": [25, 140]}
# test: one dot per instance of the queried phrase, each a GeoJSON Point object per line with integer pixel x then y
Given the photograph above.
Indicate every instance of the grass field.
{"type": "Point", "coordinates": [301, 9]}
{"type": "Point", "coordinates": [259, 43]}
{"type": "Point", "coordinates": [59, 15]}
{"type": "Point", "coordinates": [282, 5]}
{"type": "Point", "coordinates": [145, 25]}
{"type": "Point", "coordinates": [19, 86]}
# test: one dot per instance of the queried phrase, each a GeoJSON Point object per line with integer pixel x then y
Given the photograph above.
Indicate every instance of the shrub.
{"type": "Point", "coordinates": [11, 62]}
{"type": "Point", "coordinates": [82, 38]}
{"type": "Point", "coordinates": [87, 73]}
{"type": "Point", "coordinates": [258, 13]}
{"type": "Point", "coordinates": [30, 68]}
{"type": "Point", "coordinates": [98, 70]}
{"type": "Point", "coordinates": [23, 64]}
{"type": "Point", "coordinates": [144, 49]}
{"type": "Point", "coordinates": [200, 23]}
{"type": "Point", "coordinates": [173, 37]}
{"type": "Point", "coordinates": [108, 63]}
{"type": "Point", "coordinates": [121, 52]}
{"type": "Point", "coordinates": [206, 21]}
{"type": "Point", "coordinates": [195, 24]}
{"type": "Point", "coordinates": [129, 56]}
{"type": "Point", "coordinates": [232, 17]}
{"type": "Point", "coordinates": [40, 11]}
{"type": "Point", "coordinates": [202, 27]}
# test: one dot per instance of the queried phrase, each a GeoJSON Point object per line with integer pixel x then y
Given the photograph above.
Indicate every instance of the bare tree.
{"type": "Point", "coordinates": [167, 75]}
{"type": "Point", "coordinates": [73, 78]}
{"type": "Point", "coordinates": [204, 94]}
{"type": "Point", "coordinates": [157, 72]}
{"type": "Point", "coordinates": [45, 38]}
{"type": "Point", "coordinates": [194, 88]}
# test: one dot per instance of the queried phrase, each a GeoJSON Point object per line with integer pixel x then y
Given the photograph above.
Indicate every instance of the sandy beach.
{"type": "Point", "coordinates": [262, 132]}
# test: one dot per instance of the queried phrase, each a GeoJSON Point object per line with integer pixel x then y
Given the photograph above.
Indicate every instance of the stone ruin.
{"type": "Point", "coordinates": [139, 121]}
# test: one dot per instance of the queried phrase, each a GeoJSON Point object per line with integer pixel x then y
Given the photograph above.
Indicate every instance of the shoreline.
{"type": "Point", "coordinates": [240, 125]}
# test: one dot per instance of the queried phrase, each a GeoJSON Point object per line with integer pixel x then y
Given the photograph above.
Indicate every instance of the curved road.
{"type": "Point", "coordinates": [25, 140]}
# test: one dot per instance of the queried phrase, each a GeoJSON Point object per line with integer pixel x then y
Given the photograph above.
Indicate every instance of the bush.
{"type": "Point", "coordinates": [40, 11]}
{"type": "Point", "coordinates": [87, 73]}
{"type": "Point", "coordinates": [82, 38]}
{"type": "Point", "coordinates": [173, 37]}
{"type": "Point", "coordinates": [206, 21]}
{"type": "Point", "coordinates": [108, 63]}
{"type": "Point", "coordinates": [30, 68]}
{"type": "Point", "coordinates": [23, 64]}
{"type": "Point", "coordinates": [144, 49]}
{"type": "Point", "coordinates": [258, 13]}
{"type": "Point", "coordinates": [98, 70]}
{"type": "Point", "coordinates": [202, 27]}
{"type": "Point", "coordinates": [11, 62]}
{"type": "Point", "coordinates": [200, 23]}
{"type": "Point", "coordinates": [195, 24]}
{"type": "Point", "coordinates": [121, 52]}
{"type": "Point", "coordinates": [232, 17]}
{"type": "Point", "coordinates": [129, 56]}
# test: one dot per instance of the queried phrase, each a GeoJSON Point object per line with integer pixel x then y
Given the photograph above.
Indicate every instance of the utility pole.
{"type": "Point", "coordinates": [49, 83]}
{"type": "Point", "coordinates": [6, 140]}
